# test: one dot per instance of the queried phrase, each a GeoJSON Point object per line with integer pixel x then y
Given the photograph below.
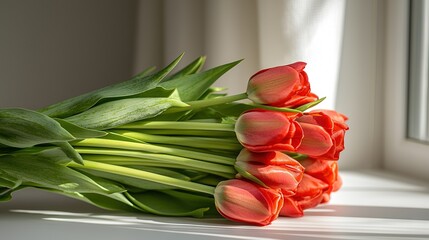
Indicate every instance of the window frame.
{"type": "Point", "coordinates": [401, 154]}
{"type": "Point", "coordinates": [418, 107]}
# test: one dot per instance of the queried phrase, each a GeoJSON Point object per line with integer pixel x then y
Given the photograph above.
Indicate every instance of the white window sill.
{"type": "Point", "coordinates": [371, 205]}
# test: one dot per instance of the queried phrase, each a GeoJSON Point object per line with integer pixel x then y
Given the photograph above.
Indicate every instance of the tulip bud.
{"type": "Point", "coordinates": [270, 169]}
{"type": "Point", "coordinates": [283, 86]}
{"type": "Point", "coordinates": [262, 130]}
{"type": "Point", "coordinates": [324, 132]}
{"type": "Point", "coordinates": [247, 202]}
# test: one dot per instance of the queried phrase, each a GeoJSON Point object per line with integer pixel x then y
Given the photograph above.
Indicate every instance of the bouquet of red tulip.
{"type": "Point", "coordinates": [173, 145]}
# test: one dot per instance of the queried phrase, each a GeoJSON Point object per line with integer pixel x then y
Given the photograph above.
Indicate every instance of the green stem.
{"type": "Point", "coordinates": [163, 160]}
{"type": "Point", "coordinates": [140, 174]}
{"type": "Point", "coordinates": [216, 101]}
{"type": "Point", "coordinates": [145, 147]}
{"type": "Point", "coordinates": [132, 161]}
{"type": "Point", "coordinates": [180, 125]}
{"type": "Point", "coordinates": [278, 109]}
{"type": "Point", "coordinates": [193, 105]}
{"type": "Point", "coordinates": [196, 133]}
{"type": "Point", "coordinates": [195, 142]}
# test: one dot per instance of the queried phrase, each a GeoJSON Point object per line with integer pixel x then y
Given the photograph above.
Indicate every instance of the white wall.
{"type": "Point", "coordinates": [360, 90]}
{"type": "Point", "coordinates": [51, 50]}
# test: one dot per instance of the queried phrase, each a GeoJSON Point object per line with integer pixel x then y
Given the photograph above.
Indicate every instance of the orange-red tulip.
{"type": "Point", "coordinates": [309, 194]}
{"type": "Point", "coordinates": [319, 180]}
{"type": "Point", "coordinates": [263, 130]}
{"type": "Point", "coordinates": [247, 202]}
{"type": "Point", "coordinates": [282, 86]}
{"type": "Point", "coordinates": [270, 169]}
{"type": "Point", "coordinates": [327, 171]}
{"type": "Point", "coordinates": [324, 132]}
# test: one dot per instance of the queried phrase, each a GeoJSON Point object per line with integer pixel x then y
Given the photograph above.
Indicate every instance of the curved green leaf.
{"type": "Point", "coordinates": [119, 112]}
{"type": "Point", "coordinates": [52, 154]}
{"type": "Point", "coordinates": [41, 173]}
{"type": "Point", "coordinates": [310, 104]}
{"type": "Point", "coordinates": [9, 181]}
{"type": "Point", "coordinates": [192, 68]}
{"type": "Point", "coordinates": [80, 132]}
{"type": "Point", "coordinates": [174, 203]}
{"type": "Point", "coordinates": [136, 85]}
{"type": "Point", "coordinates": [192, 87]}
{"type": "Point", "coordinates": [25, 128]}
{"type": "Point", "coordinates": [70, 152]}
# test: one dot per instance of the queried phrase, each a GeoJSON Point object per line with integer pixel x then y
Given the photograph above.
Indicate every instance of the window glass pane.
{"type": "Point", "coordinates": [418, 101]}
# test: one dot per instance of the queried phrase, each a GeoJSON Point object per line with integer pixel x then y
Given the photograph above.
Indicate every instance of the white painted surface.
{"type": "Point", "coordinates": [400, 154]}
{"type": "Point", "coordinates": [371, 205]}
{"type": "Point", "coordinates": [52, 50]}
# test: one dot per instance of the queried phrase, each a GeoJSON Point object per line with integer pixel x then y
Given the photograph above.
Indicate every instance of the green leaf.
{"type": "Point", "coordinates": [174, 203]}
{"type": "Point", "coordinates": [41, 173]}
{"type": "Point", "coordinates": [119, 112]}
{"type": "Point", "coordinates": [52, 154]}
{"type": "Point", "coordinates": [297, 156]}
{"type": "Point", "coordinates": [8, 180]}
{"type": "Point", "coordinates": [6, 193]}
{"type": "Point", "coordinates": [80, 132]}
{"type": "Point", "coordinates": [192, 174]}
{"type": "Point", "coordinates": [231, 109]}
{"type": "Point", "coordinates": [25, 128]}
{"type": "Point", "coordinates": [212, 92]}
{"type": "Point", "coordinates": [310, 104]}
{"type": "Point", "coordinates": [112, 186]}
{"type": "Point", "coordinates": [192, 87]}
{"type": "Point", "coordinates": [116, 136]}
{"type": "Point", "coordinates": [115, 201]}
{"type": "Point", "coordinates": [208, 112]}
{"type": "Point", "coordinates": [211, 180]}
{"type": "Point", "coordinates": [70, 151]}
{"type": "Point", "coordinates": [134, 86]}
{"type": "Point", "coordinates": [159, 92]}
{"type": "Point", "coordinates": [192, 68]}
{"type": "Point", "coordinates": [249, 176]}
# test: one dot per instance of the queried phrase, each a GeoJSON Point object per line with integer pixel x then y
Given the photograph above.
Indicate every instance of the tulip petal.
{"type": "Point", "coordinates": [291, 208]}
{"type": "Point", "coordinates": [316, 141]}
{"type": "Point", "coordinates": [326, 171]}
{"type": "Point", "coordinates": [272, 85]}
{"type": "Point", "coordinates": [270, 169]}
{"type": "Point", "coordinates": [298, 66]}
{"type": "Point", "coordinates": [260, 128]}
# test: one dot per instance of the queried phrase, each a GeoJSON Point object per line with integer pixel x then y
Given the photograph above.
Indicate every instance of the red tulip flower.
{"type": "Point", "coordinates": [327, 171]}
{"type": "Point", "coordinates": [308, 195]}
{"type": "Point", "coordinates": [283, 86]}
{"type": "Point", "coordinates": [263, 130]}
{"type": "Point", "coordinates": [324, 132]}
{"type": "Point", "coordinates": [320, 179]}
{"type": "Point", "coordinates": [247, 202]}
{"type": "Point", "coordinates": [270, 169]}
